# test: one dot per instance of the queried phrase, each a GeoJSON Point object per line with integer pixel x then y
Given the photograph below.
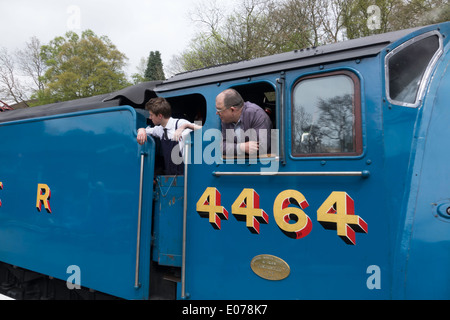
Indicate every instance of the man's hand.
{"type": "Point", "coordinates": [141, 136]}
{"type": "Point", "coordinates": [249, 147]}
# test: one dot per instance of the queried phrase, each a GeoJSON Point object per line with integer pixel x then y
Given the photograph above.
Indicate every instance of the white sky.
{"type": "Point", "coordinates": [136, 27]}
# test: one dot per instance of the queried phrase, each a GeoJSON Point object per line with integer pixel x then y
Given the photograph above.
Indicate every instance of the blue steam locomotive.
{"type": "Point", "coordinates": [353, 201]}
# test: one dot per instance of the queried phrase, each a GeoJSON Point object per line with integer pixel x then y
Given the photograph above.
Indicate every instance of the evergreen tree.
{"type": "Point", "coordinates": [154, 69]}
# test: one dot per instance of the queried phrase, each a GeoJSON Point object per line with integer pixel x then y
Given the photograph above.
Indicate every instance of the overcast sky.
{"type": "Point", "coordinates": [136, 27]}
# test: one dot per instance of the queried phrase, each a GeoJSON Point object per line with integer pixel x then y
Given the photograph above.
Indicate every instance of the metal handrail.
{"type": "Point", "coordinates": [363, 174]}
{"type": "Point", "coordinates": [183, 250]}
{"type": "Point", "coordinates": [138, 244]}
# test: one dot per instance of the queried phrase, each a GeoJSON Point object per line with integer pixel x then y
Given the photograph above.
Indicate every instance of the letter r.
{"type": "Point", "coordinates": [43, 197]}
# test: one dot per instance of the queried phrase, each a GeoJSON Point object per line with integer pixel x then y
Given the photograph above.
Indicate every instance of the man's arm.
{"type": "Point", "coordinates": [229, 144]}
{"type": "Point", "coordinates": [263, 126]}
{"type": "Point", "coordinates": [258, 130]}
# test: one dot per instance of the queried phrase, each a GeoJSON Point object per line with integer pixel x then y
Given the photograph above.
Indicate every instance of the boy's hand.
{"type": "Point", "coordinates": [141, 136]}
{"type": "Point", "coordinates": [178, 134]}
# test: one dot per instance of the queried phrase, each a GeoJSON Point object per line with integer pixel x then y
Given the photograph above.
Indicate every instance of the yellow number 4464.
{"type": "Point", "coordinates": [336, 213]}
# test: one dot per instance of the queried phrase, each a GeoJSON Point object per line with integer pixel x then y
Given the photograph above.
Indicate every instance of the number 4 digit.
{"type": "Point", "coordinates": [208, 206]}
{"type": "Point", "coordinates": [246, 208]}
{"type": "Point", "coordinates": [338, 213]}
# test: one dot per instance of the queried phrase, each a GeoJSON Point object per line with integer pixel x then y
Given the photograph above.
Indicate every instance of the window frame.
{"type": "Point", "coordinates": [357, 112]}
{"type": "Point", "coordinates": [426, 76]}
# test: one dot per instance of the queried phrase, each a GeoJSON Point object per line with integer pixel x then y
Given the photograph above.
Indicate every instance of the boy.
{"type": "Point", "coordinates": [171, 132]}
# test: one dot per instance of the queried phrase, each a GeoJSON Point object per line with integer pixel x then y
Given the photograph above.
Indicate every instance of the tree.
{"type": "Point", "coordinates": [366, 17]}
{"type": "Point", "coordinates": [21, 73]}
{"type": "Point", "coordinates": [81, 66]}
{"type": "Point", "coordinates": [31, 63]}
{"type": "Point", "coordinates": [254, 28]}
{"type": "Point", "coordinates": [11, 87]}
{"type": "Point", "coordinates": [139, 76]}
{"type": "Point", "coordinates": [257, 28]}
{"type": "Point", "coordinates": [154, 69]}
{"type": "Point", "coordinates": [247, 32]}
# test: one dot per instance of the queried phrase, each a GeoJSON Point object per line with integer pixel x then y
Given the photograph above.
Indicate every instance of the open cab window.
{"type": "Point", "coordinates": [262, 94]}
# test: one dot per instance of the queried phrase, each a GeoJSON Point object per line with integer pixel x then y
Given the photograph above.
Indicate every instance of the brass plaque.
{"type": "Point", "coordinates": [270, 267]}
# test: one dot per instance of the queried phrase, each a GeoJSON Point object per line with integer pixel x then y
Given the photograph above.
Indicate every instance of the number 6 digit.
{"type": "Point", "coordinates": [292, 220]}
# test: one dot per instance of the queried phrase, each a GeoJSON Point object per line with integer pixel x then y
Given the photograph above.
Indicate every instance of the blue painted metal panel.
{"type": "Point", "coordinates": [322, 265]}
{"type": "Point", "coordinates": [91, 163]}
{"type": "Point", "coordinates": [168, 220]}
{"type": "Point", "coordinates": [423, 252]}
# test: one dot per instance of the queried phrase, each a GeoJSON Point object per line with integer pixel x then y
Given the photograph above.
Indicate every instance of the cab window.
{"type": "Point", "coordinates": [261, 93]}
{"type": "Point", "coordinates": [408, 68]}
{"type": "Point", "coordinates": [326, 115]}
{"type": "Point", "coordinates": [191, 107]}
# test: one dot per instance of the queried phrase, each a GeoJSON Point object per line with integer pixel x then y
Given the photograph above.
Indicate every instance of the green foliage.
{"type": "Point", "coordinates": [258, 28]}
{"type": "Point", "coordinates": [81, 66]}
{"type": "Point", "coordinates": [393, 15]}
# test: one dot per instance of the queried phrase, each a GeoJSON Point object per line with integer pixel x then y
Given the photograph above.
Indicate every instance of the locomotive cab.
{"type": "Point", "coordinates": [323, 216]}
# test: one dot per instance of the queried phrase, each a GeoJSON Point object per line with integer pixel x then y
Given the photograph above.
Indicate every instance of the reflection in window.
{"type": "Point", "coordinates": [407, 66]}
{"type": "Point", "coordinates": [323, 116]}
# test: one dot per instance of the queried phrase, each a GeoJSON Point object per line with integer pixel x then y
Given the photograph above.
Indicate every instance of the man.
{"type": "Point", "coordinates": [246, 127]}
{"type": "Point", "coordinates": [171, 132]}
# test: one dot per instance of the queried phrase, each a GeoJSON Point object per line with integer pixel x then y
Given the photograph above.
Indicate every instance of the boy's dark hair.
{"type": "Point", "coordinates": [159, 106]}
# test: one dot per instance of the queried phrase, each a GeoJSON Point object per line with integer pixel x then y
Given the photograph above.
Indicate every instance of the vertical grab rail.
{"type": "Point", "coordinates": [183, 252]}
{"type": "Point", "coordinates": [138, 243]}
{"type": "Point", "coordinates": [282, 107]}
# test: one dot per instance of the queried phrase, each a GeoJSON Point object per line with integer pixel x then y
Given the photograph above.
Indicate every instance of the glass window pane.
{"type": "Point", "coordinates": [407, 68]}
{"type": "Point", "coordinates": [323, 118]}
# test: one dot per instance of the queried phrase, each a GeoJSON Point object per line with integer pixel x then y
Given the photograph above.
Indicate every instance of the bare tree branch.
{"type": "Point", "coordinates": [10, 85]}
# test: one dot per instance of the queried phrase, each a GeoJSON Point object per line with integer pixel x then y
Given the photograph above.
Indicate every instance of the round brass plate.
{"type": "Point", "coordinates": [270, 267]}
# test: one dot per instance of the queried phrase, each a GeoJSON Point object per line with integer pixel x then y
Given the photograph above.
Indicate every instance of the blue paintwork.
{"type": "Point", "coordinates": [422, 254]}
{"type": "Point", "coordinates": [322, 265]}
{"type": "Point", "coordinates": [91, 162]}
{"type": "Point", "coordinates": [168, 220]}
{"type": "Point", "coordinates": [406, 238]}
